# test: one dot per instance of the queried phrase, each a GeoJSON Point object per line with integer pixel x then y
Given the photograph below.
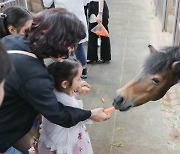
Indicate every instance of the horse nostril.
{"type": "Point", "coordinates": [121, 99]}
{"type": "Point", "coordinates": [118, 100]}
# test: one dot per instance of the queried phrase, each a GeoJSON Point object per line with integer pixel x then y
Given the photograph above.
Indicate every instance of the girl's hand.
{"type": "Point", "coordinates": [84, 83]}
{"type": "Point", "coordinates": [84, 88]}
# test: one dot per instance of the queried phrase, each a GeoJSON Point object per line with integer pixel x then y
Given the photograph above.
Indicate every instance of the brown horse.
{"type": "Point", "coordinates": [161, 70]}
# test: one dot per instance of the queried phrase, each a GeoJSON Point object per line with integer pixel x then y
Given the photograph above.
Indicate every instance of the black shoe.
{"type": "Point", "coordinates": [84, 73]}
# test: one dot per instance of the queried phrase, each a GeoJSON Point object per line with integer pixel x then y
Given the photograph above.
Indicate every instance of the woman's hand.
{"type": "Point", "coordinates": [98, 115]}
{"type": "Point", "coordinates": [99, 18]}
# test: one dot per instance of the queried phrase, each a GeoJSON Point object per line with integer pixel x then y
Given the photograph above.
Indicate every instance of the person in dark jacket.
{"type": "Point", "coordinates": [29, 87]}
{"type": "Point", "coordinates": [5, 66]}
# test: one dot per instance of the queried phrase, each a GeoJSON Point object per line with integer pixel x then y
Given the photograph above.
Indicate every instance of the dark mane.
{"type": "Point", "coordinates": [173, 53]}
{"type": "Point", "coordinates": [155, 62]}
{"type": "Point", "coordinates": [160, 61]}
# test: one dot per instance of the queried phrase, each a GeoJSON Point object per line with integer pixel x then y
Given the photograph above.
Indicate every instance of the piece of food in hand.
{"type": "Point", "coordinates": [103, 100]}
{"type": "Point", "coordinates": [109, 110]}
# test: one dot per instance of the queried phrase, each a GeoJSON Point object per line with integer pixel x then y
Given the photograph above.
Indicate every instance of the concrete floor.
{"type": "Point", "coordinates": [140, 130]}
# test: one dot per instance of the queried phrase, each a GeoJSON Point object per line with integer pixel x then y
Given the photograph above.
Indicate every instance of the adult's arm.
{"type": "Point", "coordinates": [101, 6]}
{"type": "Point", "coordinates": [48, 3]}
{"type": "Point", "coordinates": [39, 93]}
{"type": "Point", "coordinates": [100, 11]}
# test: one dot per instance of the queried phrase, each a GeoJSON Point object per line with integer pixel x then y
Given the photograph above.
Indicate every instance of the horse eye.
{"type": "Point", "coordinates": [156, 80]}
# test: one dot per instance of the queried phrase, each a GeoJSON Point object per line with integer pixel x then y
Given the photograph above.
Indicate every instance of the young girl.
{"type": "Point", "coordinates": [55, 139]}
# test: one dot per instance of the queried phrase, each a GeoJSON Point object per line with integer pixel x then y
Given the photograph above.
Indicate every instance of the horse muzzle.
{"type": "Point", "coordinates": [121, 104]}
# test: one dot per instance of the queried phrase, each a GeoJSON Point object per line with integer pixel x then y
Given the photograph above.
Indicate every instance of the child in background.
{"type": "Point", "coordinates": [14, 20]}
{"type": "Point", "coordinates": [54, 138]}
{"type": "Point", "coordinates": [92, 52]}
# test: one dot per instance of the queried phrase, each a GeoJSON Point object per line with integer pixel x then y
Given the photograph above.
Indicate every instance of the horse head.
{"type": "Point", "coordinates": [160, 71]}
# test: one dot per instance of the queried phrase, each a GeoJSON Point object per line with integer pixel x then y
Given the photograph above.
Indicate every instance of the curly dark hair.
{"type": "Point", "coordinates": [53, 32]}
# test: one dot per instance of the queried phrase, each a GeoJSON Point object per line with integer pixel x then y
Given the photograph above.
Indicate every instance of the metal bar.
{"type": "Point", "coordinates": [164, 15]}
{"type": "Point", "coordinates": [7, 2]}
{"type": "Point", "coordinates": [176, 27]}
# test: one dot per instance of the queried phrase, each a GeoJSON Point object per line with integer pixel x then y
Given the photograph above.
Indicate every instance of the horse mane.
{"type": "Point", "coordinates": [162, 60]}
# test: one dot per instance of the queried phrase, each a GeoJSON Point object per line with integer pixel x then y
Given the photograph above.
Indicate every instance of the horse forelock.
{"type": "Point", "coordinates": [160, 61]}
{"type": "Point", "coordinates": [156, 62]}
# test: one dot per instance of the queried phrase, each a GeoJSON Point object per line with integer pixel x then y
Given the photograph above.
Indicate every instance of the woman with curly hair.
{"type": "Point", "coordinates": [29, 87]}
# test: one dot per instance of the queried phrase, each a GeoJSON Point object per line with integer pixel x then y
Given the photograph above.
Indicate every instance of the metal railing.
{"type": "Point", "coordinates": [176, 34]}
{"type": "Point", "coordinates": [161, 9]}
{"type": "Point", "coordinates": [164, 8]}
{"type": "Point", "coordinates": [9, 3]}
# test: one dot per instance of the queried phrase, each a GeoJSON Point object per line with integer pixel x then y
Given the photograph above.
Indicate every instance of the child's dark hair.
{"type": "Point", "coordinates": [15, 16]}
{"type": "Point", "coordinates": [5, 63]}
{"type": "Point", "coordinates": [65, 70]}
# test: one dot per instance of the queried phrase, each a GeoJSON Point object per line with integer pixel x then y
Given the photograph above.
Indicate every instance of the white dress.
{"type": "Point", "coordinates": [74, 140]}
{"type": "Point", "coordinates": [74, 6]}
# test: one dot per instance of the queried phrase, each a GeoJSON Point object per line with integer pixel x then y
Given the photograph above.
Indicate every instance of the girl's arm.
{"type": "Point", "coordinates": [100, 11]}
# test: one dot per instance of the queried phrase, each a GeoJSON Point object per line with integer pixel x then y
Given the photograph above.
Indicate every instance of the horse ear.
{"type": "Point", "coordinates": [176, 66]}
{"type": "Point", "coordinates": [152, 49]}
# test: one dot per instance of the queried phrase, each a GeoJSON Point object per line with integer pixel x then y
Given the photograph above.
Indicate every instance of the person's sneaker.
{"type": "Point", "coordinates": [84, 73]}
